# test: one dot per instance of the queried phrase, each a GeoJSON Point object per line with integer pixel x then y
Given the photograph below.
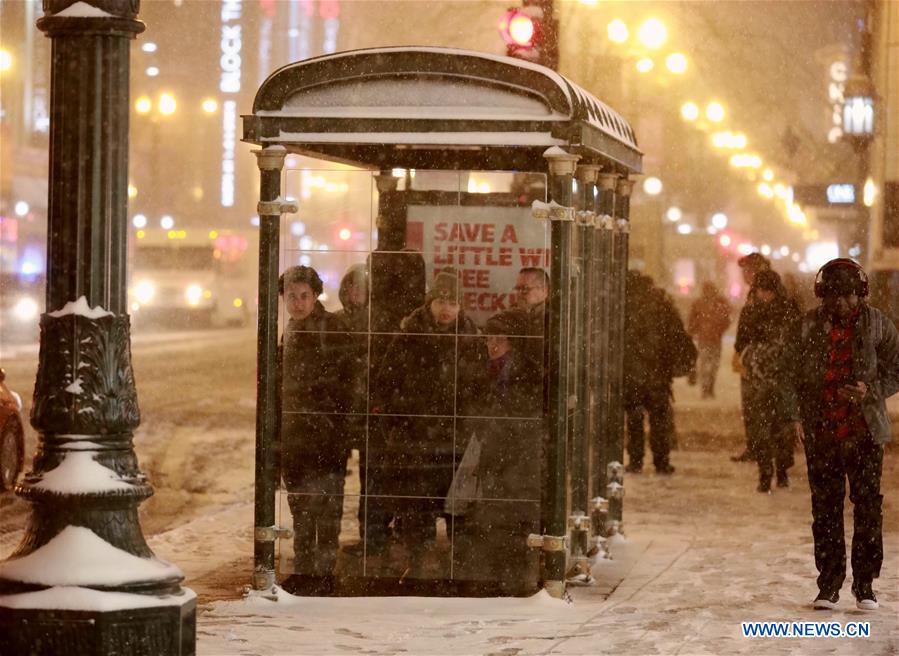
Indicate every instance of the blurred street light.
{"type": "Point", "coordinates": [767, 175]}
{"type": "Point", "coordinates": [684, 228]}
{"type": "Point", "coordinates": [167, 104]}
{"type": "Point", "coordinates": [858, 107]}
{"type": "Point", "coordinates": [149, 46]}
{"type": "Point", "coordinates": [152, 71]}
{"type": "Point", "coordinates": [869, 191]}
{"type": "Point", "coordinates": [714, 111]}
{"type": "Point", "coordinates": [674, 214]}
{"type": "Point", "coordinates": [617, 31]}
{"type": "Point", "coordinates": [652, 33]}
{"type": "Point", "coordinates": [132, 191]}
{"type": "Point", "coordinates": [21, 208]}
{"type": "Point", "coordinates": [719, 220]}
{"type": "Point", "coordinates": [143, 105]}
{"type": "Point", "coordinates": [210, 105]}
{"type": "Point", "coordinates": [5, 61]}
{"type": "Point", "coordinates": [676, 63]}
{"type": "Point", "coordinates": [139, 221]}
{"type": "Point", "coordinates": [644, 65]}
{"type": "Point", "coordinates": [167, 222]}
{"type": "Point", "coordinates": [689, 111]}
{"type": "Point", "coordinates": [652, 186]}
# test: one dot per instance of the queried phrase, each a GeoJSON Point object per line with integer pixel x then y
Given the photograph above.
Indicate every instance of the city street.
{"type": "Point", "coordinates": [704, 551]}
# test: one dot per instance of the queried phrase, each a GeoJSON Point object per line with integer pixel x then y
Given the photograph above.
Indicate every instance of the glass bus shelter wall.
{"type": "Point", "coordinates": [420, 362]}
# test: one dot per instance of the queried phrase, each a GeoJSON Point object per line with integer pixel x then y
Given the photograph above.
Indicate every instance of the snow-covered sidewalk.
{"type": "Point", "coordinates": [704, 553]}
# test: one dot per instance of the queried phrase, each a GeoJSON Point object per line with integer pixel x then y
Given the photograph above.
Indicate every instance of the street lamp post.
{"type": "Point", "coordinates": [83, 580]}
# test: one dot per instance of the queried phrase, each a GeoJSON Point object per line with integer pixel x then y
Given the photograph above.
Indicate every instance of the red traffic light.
{"type": "Point", "coordinates": [517, 28]}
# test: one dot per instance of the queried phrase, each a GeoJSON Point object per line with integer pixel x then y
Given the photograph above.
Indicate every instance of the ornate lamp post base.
{"type": "Point", "coordinates": [162, 630]}
{"type": "Point", "coordinates": [83, 580]}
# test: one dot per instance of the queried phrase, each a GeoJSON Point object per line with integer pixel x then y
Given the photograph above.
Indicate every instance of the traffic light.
{"type": "Point", "coordinates": [531, 32]}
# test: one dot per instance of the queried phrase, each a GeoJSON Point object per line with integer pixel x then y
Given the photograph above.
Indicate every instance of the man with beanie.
{"type": "Point", "coordinates": [749, 265]}
{"type": "Point", "coordinates": [840, 365]}
{"type": "Point", "coordinates": [423, 383]}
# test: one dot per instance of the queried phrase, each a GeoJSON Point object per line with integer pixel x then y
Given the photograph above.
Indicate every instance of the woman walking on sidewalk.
{"type": "Point", "coordinates": [761, 361]}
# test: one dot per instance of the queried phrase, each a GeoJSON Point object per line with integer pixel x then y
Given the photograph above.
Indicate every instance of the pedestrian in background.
{"type": "Point", "coordinates": [657, 349]}
{"type": "Point", "coordinates": [710, 316]}
{"type": "Point", "coordinates": [840, 366]}
{"type": "Point", "coordinates": [762, 359]}
{"type": "Point", "coordinates": [746, 326]}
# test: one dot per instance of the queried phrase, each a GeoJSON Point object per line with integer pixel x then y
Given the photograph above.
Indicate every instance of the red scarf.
{"type": "Point", "coordinates": [842, 417]}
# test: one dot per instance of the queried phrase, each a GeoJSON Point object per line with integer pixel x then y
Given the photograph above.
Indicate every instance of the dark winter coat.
{"type": "Point", "coordinates": [875, 361]}
{"type": "Point", "coordinates": [762, 358]}
{"type": "Point", "coordinates": [355, 319]}
{"type": "Point", "coordinates": [317, 374]}
{"type": "Point", "coordinates": [654, 338]}
{"type": "Point", "coordinates": [511, 396]}
{"type": "Point", "coordinates": [425, 377]}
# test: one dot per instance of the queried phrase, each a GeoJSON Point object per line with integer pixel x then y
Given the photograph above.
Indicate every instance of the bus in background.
{"type": "Point", "coordinates": [192, 278]}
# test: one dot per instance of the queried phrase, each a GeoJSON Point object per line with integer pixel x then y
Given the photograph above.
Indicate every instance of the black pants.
{"type": "Point", "coordinates": [764, 430]}
{"type": "Point", "coordinates": [657, 404]}
{"type": "Point", "coordinates": [316, 506]}
{"type": "Point", "coordinates": [830, 463]}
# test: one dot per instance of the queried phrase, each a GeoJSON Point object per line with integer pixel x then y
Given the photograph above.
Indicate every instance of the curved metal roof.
{"type": "Point", "coordinates": [422, 106]}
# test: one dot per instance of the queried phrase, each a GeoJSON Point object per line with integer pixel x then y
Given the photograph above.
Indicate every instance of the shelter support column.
{"type": "Point", "coordinates": [553, 505]}
{"type": "Point", "coordinates": [615, 467]}
{"type": "Point", "coordinates": [580, 429]}
{"type": "Point", "coordinates": [270, 208]}
{"type": "Point", "coordinates": [603, 417]}
{"type": "Point", "coordinates": [85, 485]}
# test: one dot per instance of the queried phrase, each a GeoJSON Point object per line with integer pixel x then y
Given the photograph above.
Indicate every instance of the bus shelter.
{"type": "Point", "coordinates": [442, 258]}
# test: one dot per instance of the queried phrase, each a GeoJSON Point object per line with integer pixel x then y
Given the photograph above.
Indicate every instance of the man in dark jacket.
{"type": "Point", "coordinates": [423, 383]}
{"type": "Point", "coordinates": [652, 327]}
{"type": "Point", "coordinates": [746, 330]}
{"type": "Point", "coordinates": [840, 365]}
{"type": "Point", "coordinates": [315, 399]}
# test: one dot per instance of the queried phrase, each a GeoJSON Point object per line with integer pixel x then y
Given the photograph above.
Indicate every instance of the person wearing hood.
{"type": "Point", "coordinates": [316, 395]}
{"type": "Point", "coordinates": [354, 300]}
{"type": "Point", "coordinates": [422, 384]}
{"type": "Point", "coordinates": [353, 296]}
{"type": "Point", "coordinates": [761, 358]}
{"type": "Point", "coordinates": [508, 425]}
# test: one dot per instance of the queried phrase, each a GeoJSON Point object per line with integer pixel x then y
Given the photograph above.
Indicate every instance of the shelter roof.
{"type": "Point", "coordinates": [435, 108]}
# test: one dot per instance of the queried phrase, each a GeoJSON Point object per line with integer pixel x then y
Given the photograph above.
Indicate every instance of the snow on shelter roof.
{"type": "Point", "coordinates": [435, 107]}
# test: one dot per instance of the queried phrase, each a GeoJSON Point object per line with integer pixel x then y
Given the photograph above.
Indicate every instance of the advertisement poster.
{"type": "Point", "coordinates": [486, 245]}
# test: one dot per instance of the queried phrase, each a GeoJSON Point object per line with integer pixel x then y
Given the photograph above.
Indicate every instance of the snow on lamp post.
{"type": "Point", "coordinates": [83, 580]}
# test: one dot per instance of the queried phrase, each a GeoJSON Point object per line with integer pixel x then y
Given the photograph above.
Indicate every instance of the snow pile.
{"type": "Point", "coordinates": [79, 473]}
{"type": "Point", "coordinates": [81, 307]}
{"type": "Point", "coordinates": [83, 10]}
{"type": "Point", "coordinates": [74, 598]}
{"type": "Point", "coordinates": [78, 556]}
{"type": "Point", "coordinates": [75, 387]}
